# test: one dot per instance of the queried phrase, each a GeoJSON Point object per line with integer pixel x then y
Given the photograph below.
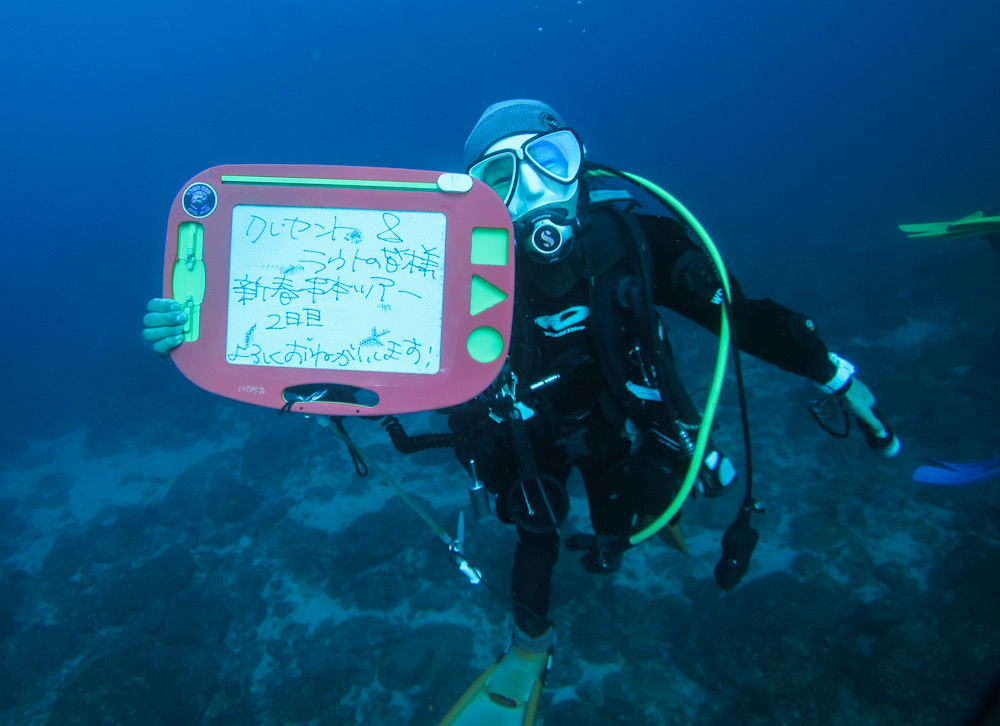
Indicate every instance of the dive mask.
{"type": "Point", "coordinates": [536, 176]}
{"type": "Point", "coordinates": [555, 155]}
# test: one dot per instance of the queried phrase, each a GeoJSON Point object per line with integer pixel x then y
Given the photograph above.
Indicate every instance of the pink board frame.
{"type": "Point", "coordinates": [460, 377]}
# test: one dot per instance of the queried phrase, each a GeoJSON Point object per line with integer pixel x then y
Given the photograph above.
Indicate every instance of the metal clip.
{"type": "Point", "coordinates": [457, 556]}
{"type": "Point", "coordinates": [293, 398]}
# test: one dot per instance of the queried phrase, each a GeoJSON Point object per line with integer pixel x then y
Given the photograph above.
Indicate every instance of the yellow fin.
{"type": "Point", "coordinates": [971, 225]}
{"type": "Point", "coordinates": [974, 215]}
{"type": "Point", "coordinates": [672, 537]}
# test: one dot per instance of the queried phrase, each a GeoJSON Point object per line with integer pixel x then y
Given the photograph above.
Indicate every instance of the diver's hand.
{"type": "Point", "coordinates": [163, 324]}
{"type": "Point", "coordinates": [861, 402]}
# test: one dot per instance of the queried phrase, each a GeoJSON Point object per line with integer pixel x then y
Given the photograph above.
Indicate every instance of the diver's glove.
{"type": "Point", "coordinates": [860, 401]}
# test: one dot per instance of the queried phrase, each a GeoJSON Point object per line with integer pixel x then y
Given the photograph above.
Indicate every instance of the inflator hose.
{"type": "Point", "coordinates": [720, 363]}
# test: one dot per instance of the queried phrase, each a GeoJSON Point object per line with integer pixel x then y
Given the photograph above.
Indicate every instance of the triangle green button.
{"type": "Point", "coordinates": [484, 295]}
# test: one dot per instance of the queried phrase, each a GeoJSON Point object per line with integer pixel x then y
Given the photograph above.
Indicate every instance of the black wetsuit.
{"type": "Point", "coordinates": [575, 421]}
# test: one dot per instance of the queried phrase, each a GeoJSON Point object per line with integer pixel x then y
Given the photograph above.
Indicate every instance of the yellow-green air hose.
{"type": "Point", "coordinates": [720, 361]}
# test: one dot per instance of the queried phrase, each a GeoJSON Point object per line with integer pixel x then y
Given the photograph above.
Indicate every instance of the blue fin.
{"type": "Point", "coordinates": [944, 473]}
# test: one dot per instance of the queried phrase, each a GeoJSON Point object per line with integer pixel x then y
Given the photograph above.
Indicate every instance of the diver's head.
{"type": "Point", "coordinates": [527, 154]}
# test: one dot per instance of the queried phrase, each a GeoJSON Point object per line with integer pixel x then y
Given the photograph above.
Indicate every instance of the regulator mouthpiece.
{"type": "Point", "coordinates": [547, 236]}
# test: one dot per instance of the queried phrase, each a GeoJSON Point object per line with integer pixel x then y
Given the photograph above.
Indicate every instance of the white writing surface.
{"type": "Point", "coordinates": [336, 289]}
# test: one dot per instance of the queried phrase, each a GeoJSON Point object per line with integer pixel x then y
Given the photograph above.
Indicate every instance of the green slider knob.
{"type": "Point", "coordinates": [188, 283]}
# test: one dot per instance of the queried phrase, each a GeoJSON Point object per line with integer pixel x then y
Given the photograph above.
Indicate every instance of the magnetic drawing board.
{"type": "Point", "coordinates": [341, 290]}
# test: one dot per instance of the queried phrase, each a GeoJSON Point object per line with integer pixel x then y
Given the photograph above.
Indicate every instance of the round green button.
{"type": "Point", "coordinates": [485, 344]}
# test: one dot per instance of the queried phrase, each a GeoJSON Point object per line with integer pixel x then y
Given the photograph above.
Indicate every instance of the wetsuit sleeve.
{"type": "Point", "coordinates": [686, 280]}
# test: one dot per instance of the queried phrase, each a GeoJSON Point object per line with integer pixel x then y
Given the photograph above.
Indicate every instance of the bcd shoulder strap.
{"type": "Point", "coordinates": [613, 248]}
{"type": "Point", "coordinates": [616, 254]}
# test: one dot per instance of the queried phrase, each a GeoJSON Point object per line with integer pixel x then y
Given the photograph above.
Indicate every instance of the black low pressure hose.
{"type": "Point", "coordinates": [407, 444]}
{"type": "Point", "coordinates": [740, 538]}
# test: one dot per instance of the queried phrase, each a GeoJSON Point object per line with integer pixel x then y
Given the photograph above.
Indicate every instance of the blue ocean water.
{"type": "Point", "coordinates": [799, 134]}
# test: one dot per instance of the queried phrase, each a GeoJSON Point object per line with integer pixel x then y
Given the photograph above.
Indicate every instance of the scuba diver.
{"type": "Point", "coordinates": [590, 384]}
